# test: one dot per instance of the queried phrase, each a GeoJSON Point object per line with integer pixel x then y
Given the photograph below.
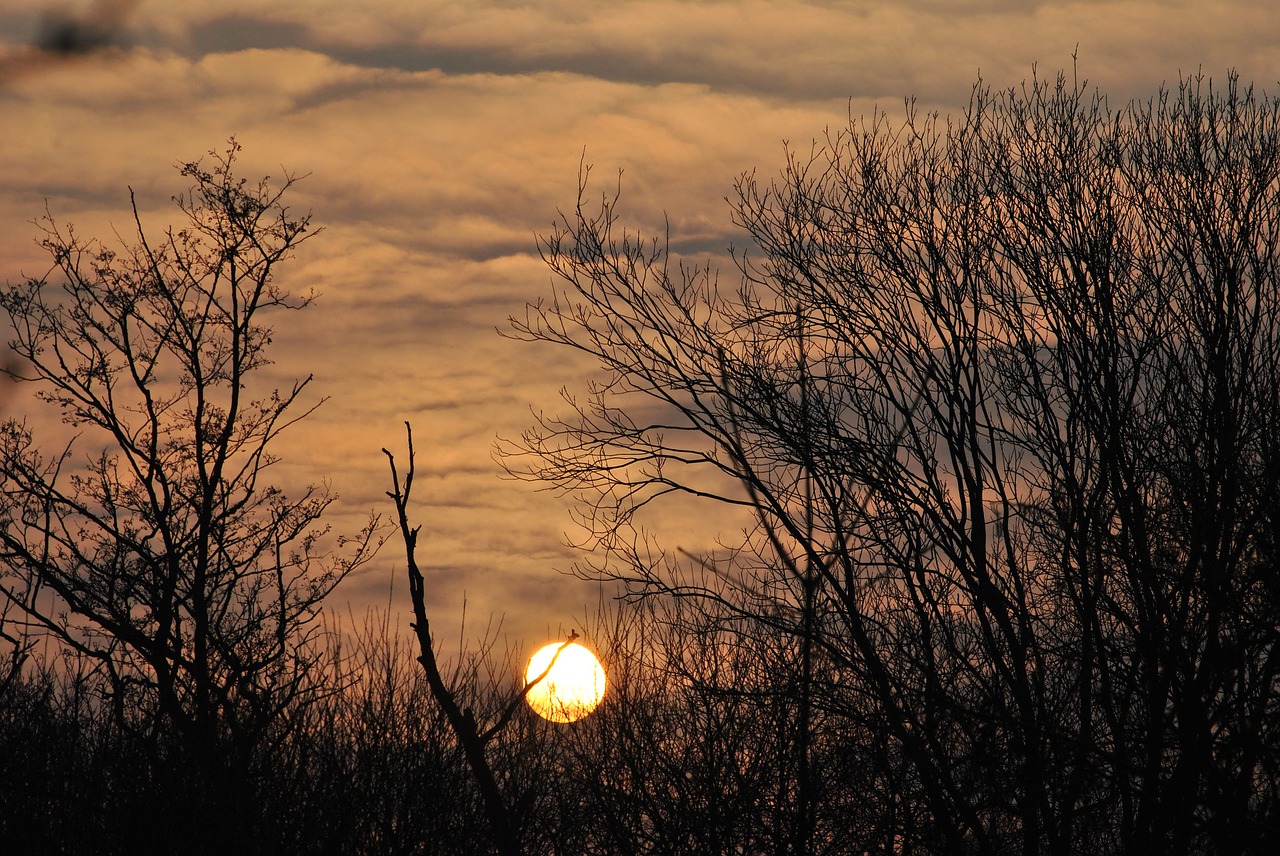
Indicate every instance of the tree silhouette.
{"type": "Point", "coordinates": [1002, 397]}
{"type": "Point", "coordinates": [162, 555]}
{"type": "Point", "coordinates": [505, 808]}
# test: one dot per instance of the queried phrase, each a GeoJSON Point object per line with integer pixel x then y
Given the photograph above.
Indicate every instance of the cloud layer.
{"type": "Point", "coordinates": [440, 137]}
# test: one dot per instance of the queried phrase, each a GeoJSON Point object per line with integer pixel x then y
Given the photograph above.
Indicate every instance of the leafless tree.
{"type": "Point", "coordinates": [1001, 395]}
{"type": "Point", "coordinates": [160, 553]}
{"type": "Point", "coordinates": [506, 805]}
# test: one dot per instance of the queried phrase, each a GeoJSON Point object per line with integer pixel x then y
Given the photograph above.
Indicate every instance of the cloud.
{"type": "Point", "coordinates": [98, 27]}
{"type": "Point", "coordinates": [810, 51]}
{"type": "Point", "coordinates": [59, 38]}
{"type": "Point", "coordinates": [440, 137]}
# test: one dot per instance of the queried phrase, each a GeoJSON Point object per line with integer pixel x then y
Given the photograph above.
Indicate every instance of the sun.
{"type": "Point", "coordinates": [572, 688]}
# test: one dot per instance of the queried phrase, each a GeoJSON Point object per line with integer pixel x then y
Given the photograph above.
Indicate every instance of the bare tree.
{"type": "Point", "coordinates": [162, 554]}
{"type": "Point", "coordinates": [506, 808]}
{"type": "Point", "coordinates": [1001, 395]}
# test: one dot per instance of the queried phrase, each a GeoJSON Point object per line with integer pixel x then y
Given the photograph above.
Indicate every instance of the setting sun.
{"type": "Point", "coordinates": [573, 686]}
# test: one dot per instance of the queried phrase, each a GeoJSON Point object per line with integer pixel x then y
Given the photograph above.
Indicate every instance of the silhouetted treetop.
{"type": "Point", "coordinates": [1002, 391]}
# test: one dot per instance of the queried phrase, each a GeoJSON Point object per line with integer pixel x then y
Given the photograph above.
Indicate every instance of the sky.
{"type": "Point", "coordinates": [438, 139]}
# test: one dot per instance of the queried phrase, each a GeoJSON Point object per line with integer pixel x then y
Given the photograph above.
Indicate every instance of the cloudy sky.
{"type": "Point", "coordinates": [441, 137]}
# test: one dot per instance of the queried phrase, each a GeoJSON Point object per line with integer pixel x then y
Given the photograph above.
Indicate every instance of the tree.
{"type": "Point", "coordinates": [1001, 396]}
{"type": "Point", "coordinates": [476, 730]}
{"type": "Point", "coordinates": [164, 556]}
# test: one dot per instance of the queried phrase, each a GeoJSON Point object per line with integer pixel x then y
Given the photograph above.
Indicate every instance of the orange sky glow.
{"type": "Point", "coordinates": [441, 137]}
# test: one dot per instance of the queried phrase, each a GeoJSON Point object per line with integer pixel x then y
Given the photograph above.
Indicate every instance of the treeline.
{"type": "Point", "coordinates": [697, 760]}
